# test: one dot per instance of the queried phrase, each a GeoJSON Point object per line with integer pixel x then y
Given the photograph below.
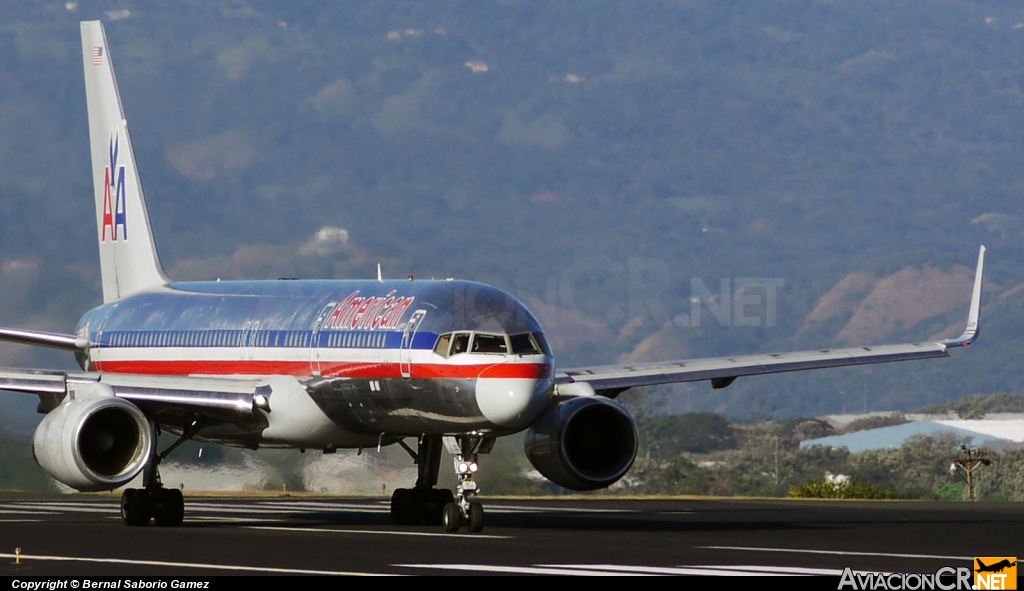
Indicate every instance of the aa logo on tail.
{"type": "Point", "coordinates": [114, 215]}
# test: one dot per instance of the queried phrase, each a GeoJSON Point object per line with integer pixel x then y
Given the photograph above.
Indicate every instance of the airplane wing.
{"type": "Point", "coordinates": [612, 380]}
{"type": "Point", "coordinates": [176, 400]}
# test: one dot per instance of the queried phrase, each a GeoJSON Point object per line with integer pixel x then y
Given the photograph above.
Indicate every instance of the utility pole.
{"type": "Point", "coordinates": [965, 467]}
{"type": "Point", "coordinates": [776, 460]}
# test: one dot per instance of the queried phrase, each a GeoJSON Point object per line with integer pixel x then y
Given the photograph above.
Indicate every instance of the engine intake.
{"type": "Point", "coordinates": [583, 443]}
{"type": "Point", "coordinates": [93, 444]}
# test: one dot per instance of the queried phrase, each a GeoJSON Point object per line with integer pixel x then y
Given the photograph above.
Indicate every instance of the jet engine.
{"type": "Point", "coordinates": [583, 443]}
{"type": "Point", "coordinates": [93, 444]}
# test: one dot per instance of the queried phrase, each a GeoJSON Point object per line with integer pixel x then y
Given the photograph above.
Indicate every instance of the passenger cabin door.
{"type": "Point", "coordinates": [314, 341]}
{"type": "Point", "coordinates": [405, 353]}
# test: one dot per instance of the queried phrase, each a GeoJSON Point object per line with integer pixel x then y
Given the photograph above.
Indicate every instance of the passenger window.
{"type": "Point", "coordinates": [489, 343]}
{"type": "Point", "coordinates": [460, 343]}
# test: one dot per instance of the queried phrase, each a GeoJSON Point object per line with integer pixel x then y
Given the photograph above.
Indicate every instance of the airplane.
{"type": "Point", "coordinates": [994, 567]}
{"type": "Point", "coordinates": [330, 364]}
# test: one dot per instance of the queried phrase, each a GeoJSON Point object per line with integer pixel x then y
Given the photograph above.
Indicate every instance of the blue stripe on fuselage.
{"type": "Point", "coordinates": [276, 339]}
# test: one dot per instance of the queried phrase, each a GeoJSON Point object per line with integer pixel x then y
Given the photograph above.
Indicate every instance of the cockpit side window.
{"type": "Point", "coordinates": [524, 344]}
{"type": "Point", "coordinates": [460, 343]}
{"type": "Point", "coordinates": [489, 343]}
{"type": "Point", "coordinates": [543, 342]}
{"type": "Point", "coordinates": [441, 348]}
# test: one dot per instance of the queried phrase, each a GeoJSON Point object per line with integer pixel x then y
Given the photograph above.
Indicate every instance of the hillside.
{"type": "Point", "coordinates": [601, 161]}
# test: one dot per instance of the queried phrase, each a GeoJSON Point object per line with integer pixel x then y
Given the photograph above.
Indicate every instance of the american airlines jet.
{"type": "Point", "coordinates": [328, 365]}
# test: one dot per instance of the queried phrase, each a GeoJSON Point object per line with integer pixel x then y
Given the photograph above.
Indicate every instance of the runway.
{"type": "Point", "coordinates": [83, 535]}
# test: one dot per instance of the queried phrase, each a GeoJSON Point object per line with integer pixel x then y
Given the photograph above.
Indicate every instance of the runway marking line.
{"type": "Point", "coordinates": [383, 533]}
{"type": "Point", "coordinates": [720, 570]}
{"type": "Point", "coordinates": [522, 570]}
{"type": "Point", "coordinates": [836, 552]}
{"type": "Point", "coordinates": [55, 508]}
{"type": "Point", "coordinates": [598, 570]}
{"type": "Point", "coordinates": [193, 565]}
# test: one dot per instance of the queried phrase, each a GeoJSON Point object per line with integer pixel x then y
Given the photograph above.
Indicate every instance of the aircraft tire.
{"type": "Point", "coordinates": [476, 518]}
{"type": "Point", "coordinates": [135, 507]}
{"type": "Point", "coordinates": [451, 518]}
{"type": "Point", "coordinates": [433, 508]}
{"type": "Point", "coordinates": [405, 507]}
{"type": "Point", "coordinates": [169, 511]}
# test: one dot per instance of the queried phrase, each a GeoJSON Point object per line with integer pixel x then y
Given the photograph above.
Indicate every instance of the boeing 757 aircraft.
{"type": "Point", "coordinates": [328, 365]}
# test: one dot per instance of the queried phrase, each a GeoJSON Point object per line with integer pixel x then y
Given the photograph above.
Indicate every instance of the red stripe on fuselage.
{"type": "Point", "coordinates": [327, 369]}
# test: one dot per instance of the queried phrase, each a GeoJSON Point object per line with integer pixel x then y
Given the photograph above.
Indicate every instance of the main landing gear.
{"type": "Point", "coordinates": [164, 506]}
{"type": "Point", "coordinates": [433, 506]}
{"type": "Point", "coordinates": [424, 503]}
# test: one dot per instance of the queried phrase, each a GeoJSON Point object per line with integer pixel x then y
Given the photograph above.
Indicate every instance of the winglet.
{"type": "Point", "coordinates": [974, 316]}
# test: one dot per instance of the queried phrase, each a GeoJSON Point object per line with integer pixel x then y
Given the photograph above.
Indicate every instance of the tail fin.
{"type": "Point", "coordinates": [128, 257]}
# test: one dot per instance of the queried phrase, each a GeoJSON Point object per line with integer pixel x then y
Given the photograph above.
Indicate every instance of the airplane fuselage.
{"type": "Point", "coordinates": [395, 357]}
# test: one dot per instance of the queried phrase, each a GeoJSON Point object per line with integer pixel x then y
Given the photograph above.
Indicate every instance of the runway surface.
{"type": "Point", "coordinates": [83, 535]}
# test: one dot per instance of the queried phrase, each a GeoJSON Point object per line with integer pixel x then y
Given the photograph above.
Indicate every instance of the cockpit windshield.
{"type": "Point", "coordinates": [460, 343]}
{"type": "Point", "coordinates": [524, 344]}
{"type": "Point", "coordinates": [527, 343]}
{"type": "Point", "coordinates": [489, 343]}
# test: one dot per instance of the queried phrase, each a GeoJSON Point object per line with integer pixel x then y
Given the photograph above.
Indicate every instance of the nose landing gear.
{"type": "Point", "coordinates": [465, 468]}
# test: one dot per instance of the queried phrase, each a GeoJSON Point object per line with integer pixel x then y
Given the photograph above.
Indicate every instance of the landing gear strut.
{"type": "Point", "coordinates": [424, 503]}
{"type": "Point", "coordinates": [465, 468]}
{"type": "Point", "coordinates": [434, 506]}
{"type": "Point", "coordinates": [165, 506]}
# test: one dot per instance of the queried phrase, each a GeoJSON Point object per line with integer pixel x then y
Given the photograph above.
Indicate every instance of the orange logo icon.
{"type": "Point", "coordinates": [995, 572]}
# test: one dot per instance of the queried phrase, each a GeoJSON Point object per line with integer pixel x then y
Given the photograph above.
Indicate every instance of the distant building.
{"type": "Point", "coordinates": [998, 432]}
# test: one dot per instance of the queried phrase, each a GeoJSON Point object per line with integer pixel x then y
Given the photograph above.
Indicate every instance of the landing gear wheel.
{"type": "Point", "coordinates": [452, 518]}
{"type": "Point", "coordinates": [168, 507]}
{"type": "Point", "coordinates": [476, 518]}
{"type": "Point", "coordinates": [135, 507]}
{"type": "Point", "coordinates": [405, 507]}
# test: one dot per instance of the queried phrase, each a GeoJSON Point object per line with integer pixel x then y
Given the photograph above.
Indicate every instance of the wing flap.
{"type": "Point", "coordinates": [29, 381]}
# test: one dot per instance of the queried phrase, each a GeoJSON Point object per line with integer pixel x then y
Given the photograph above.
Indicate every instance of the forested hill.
{"type": "Point", "coordinates": [601, 159]}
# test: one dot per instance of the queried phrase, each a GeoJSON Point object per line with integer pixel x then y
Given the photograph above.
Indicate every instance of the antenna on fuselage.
{"type": "Point", "coordinates": [380, 276]}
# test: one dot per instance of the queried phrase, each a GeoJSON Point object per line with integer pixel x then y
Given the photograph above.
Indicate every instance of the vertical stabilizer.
{"type": "Point", "coordinates": [128, 256]}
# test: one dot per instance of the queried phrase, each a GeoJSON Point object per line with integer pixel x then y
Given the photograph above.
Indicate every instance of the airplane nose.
{"type": "Point", "coordinates": [512, 403]}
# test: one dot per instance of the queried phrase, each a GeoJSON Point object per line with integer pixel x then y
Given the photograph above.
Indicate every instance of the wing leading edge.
{"type": "Point", "coordinates": [227, 397]}
{"type": "Point", "coordinates": [611, 380]}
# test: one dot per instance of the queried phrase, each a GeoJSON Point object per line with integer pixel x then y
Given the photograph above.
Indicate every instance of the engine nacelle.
{"type": "Point", "coordinates": [93, 444]}
{"type": "Point", "coordinates": [583, 443]}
